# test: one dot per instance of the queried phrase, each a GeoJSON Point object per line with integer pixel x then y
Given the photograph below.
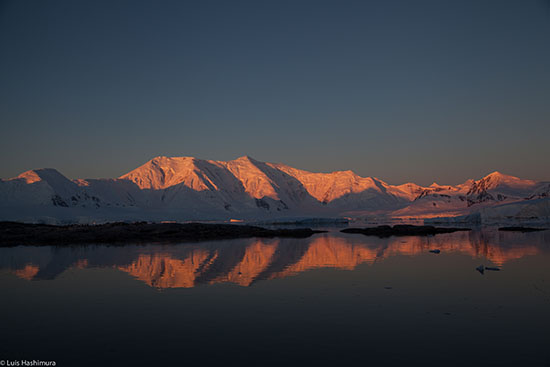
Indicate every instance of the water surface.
{"type": "Point", "coordinates": [331, 299]}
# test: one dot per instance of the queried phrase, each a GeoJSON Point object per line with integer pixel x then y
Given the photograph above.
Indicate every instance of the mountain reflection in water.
{"type": "Point", "coordinates": [245, 262]}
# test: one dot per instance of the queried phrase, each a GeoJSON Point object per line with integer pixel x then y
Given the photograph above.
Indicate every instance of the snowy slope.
{"type": "Point", "coordinates": [472, 196]}
{"type": "Point", "coordinates": [45, 187]}
{"type": "Point", "coordinates": [526, 210]}
{"type": "Point", "coordinates": [345, 190]}
{"type": "Point", "coordinates": [500, 187]}
{"type": "Point", "coordinates": [187, 188]}
{"type": "Point", "coordinates": [241, 185]}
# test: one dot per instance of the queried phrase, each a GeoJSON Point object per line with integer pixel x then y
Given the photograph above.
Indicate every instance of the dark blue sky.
{"type": "Point", "coordinates": [401, 90]}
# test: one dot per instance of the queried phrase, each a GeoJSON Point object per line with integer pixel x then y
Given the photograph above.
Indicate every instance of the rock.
{"type": "Point", "coordinates": [521, 229]}
{"type": "Point", "coordinates": [402, 230]}
{"type": "Point", "coordinates": [13, 233]}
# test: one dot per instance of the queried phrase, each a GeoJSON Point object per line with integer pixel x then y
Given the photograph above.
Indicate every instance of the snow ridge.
{"type": "Point", "coordinates": [188, 188]}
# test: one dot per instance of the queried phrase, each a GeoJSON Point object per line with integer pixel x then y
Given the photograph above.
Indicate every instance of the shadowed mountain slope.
{"type": "Point", "coordinates": [188, 188]}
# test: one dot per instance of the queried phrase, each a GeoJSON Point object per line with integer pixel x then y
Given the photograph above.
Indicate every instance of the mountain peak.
{"type": "Point", "coordinates": [498, 177]}
{"type": "Point", "coordinates": [162, 172]}
{"type": "Point", "coordinates": [188, 188]}
{"type": "Point", "coordinates": [164, 159]}
{"type": "Point", "coordinates": [346, 172]}
{"type": "Point", "coordinates": [36, 175]}
{"type": "Point", "coordinates": [496, 174]}
{"type": "Point", "coordinates": [506, 185]}
{"type": "Point", "coordinates": [246, 158]}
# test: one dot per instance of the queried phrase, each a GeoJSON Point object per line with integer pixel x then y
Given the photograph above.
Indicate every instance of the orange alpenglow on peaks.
{"type": "Point", "coordinates": [188, 188]}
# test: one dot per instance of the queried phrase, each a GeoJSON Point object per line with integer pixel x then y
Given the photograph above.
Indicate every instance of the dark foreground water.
{"type": "Point", "coordinates": [331, 299]}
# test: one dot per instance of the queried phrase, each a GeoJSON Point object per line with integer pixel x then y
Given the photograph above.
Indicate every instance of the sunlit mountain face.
{"type": "Point", "coordinates": [188, 188]}
{"type": "Point", "coordinates": [245, 262]}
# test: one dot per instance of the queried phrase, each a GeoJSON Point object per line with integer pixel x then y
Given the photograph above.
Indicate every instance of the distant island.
{"type": "Point", "coordinates": [402, 230]}
{"type": "Point", "coordinates": [521, 229]}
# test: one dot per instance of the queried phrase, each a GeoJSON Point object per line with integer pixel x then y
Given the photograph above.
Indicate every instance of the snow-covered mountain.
{"type": "Point", "coordinates": [187, 188]}
{"type": "Point", "coordinates": [45, 187]}
{"type": "Point", "coordinates": [472, 196]}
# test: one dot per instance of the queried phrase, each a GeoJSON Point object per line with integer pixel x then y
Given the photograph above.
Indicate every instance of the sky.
{"type": "Point", "coordinates": [405, 91]}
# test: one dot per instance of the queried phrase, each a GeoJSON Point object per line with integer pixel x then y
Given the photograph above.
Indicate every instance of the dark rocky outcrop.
{"type": "Point", "coordinates": [402, 230]}
{"type": "Point", "coordinates": [14, 233]}
{"type": "Point", "coordinates": [521, 229]}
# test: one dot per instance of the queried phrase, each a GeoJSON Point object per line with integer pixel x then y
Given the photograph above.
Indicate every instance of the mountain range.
{"type": "Point", "coordinates": [187, 188]}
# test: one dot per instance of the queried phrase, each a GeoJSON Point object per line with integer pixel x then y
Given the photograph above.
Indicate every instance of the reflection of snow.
{"type": "Point", "coordinates": [244, 262]}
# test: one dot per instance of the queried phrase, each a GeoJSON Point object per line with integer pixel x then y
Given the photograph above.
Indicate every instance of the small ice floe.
{"type": "Point", "coordinates": [481, 269]}
{"type": "Point", "coordinates": [436, 251]}
{"type": "Point", "coordinates": [492, 269]}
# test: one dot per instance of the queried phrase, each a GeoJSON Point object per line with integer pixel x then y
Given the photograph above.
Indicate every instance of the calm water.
{"type": "Point", "coordinates": [331, 299]}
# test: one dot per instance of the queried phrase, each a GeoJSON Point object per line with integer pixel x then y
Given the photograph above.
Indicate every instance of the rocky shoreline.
{"type": "Point", "coordinates": [15, 233]}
